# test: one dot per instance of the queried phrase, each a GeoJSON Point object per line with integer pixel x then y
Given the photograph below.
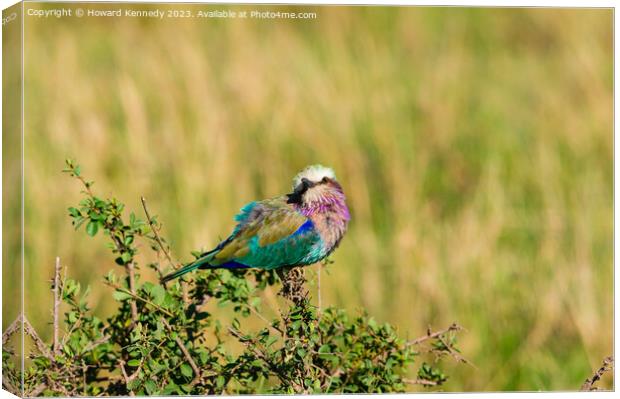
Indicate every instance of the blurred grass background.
{"type": "Point", "coordinates": [474, 145]}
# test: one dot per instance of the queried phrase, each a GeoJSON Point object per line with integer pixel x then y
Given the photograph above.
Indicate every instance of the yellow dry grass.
{"type": "Point", "coordinates": [474, 145]}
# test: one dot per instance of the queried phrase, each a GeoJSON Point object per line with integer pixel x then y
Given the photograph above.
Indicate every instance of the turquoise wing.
{"type": "Point", "coordinates": [269, 234]}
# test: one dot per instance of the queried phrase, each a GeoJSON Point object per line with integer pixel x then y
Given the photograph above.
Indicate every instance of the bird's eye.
{"type": "Point", "coordinates": [324, 180]}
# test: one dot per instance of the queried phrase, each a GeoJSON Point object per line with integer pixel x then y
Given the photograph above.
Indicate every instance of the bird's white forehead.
{"type": "Point", "coordinates": [314, 173]}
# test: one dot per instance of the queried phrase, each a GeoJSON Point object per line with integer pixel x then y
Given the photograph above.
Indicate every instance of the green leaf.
{"type": "Point", "coordinates": [147, 287]}
{"type": "Point", "coordinates": [150, 386]}
{"type": "Point", "coordinates": [133, 363]}
{"type": "Point", "coordinates": [110, 277]}
{"type": "Point", "coordinates": [120, 296]}
{"type": "Point", "coordinates": [186, 370]}
{"type": "Point", "coordinates": [171, 388]}
{"type": "Point", "coordinates": [126, 257]}
{"type": "Point", "coordinates": [372, 323]}
{"type": "Point", "coordinates": [159, 294]}
{"type": "Point", "coordinates": [78, 222]}
{"type": "Point", "coordinates": [255, 302]}
{"type": "Point", "coordinates": [72, 317]}
{"type": "Point", "coordinates": [272, 340]}
{"type": "Point", "coordinates": [92, 228]}
{"type": "Point", "coordinates": [220, 381]}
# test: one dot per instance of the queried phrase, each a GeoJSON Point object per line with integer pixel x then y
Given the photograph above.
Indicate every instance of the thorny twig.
{"type": "Point", "coordinates": [431, 335]}
{"type": "Point", "coordinates": [608, 365]}
{"type": "Point", "coordinates": [258, 314]}
{"type": "Point", "coordinates": [135, 296]}
{"type": "Point", "coordinates": [118, 243]}
{"type": "Point", "coordinates": [155, 230]}
{"type": "Point", "coordinates": [11, 329]}
{"type": "Point", "coordinates": [136, 373]}
{"type": "Point", "coordinates": [96, 343]}
{"type": "Point", "coordinates": [293, 281]}
{"type": "Point", "coordinates": [252, 345]}
{"type": "Point", "coordinates": [57, 295]}
{"type": "Point", "coordinates": [127, 378]}
{"type": "Point", "coordinates": [37, 390]}
{"type": "Point", "coordinates": [318, 285]}
{"type": "Point", "coordinates": [74, 326]}
{"type": "Point", "coordinates": [28, 329]}
{"type": "Point", "coordinates": [129, 268]}
{"type": "Point", "coordinates": [454, 353]}
{"type": "Point", "coordinates": [84, 369]}
{"type": "Point", "coordinates": [263, 318]}
{"type": "Point", "coordinates": [165, 249]}
{"type": "Point", "coordinates": [447, 347]}
{"type": "Point", "coordinates": [9, 387]}
{"type": "Point", "coordinates": [188, 357]}
{"type": "Point", "coordinates": [419, 381]}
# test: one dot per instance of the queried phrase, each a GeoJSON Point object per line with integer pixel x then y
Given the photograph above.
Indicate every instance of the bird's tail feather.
{"type": "Point", "coordinates": [199, 263]}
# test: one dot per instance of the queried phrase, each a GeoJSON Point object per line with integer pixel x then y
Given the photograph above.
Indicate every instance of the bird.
{"type": "Point", "coordinates": [296, 229]}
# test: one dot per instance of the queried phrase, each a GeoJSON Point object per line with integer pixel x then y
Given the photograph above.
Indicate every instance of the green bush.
{"type": "Point", "coordinates": [162, 341]}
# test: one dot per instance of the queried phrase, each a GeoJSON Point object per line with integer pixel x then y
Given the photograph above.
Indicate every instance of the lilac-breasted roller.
{"type": "Point", "coordinates": [296, 229]}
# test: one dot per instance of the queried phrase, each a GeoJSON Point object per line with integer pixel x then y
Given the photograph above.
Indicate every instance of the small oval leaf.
{"type": "Point", "coordinates": [92, 228]}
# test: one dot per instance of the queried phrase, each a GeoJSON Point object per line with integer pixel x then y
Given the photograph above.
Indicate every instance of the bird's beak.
{"type": "Point", "coordinates": [307, 183]}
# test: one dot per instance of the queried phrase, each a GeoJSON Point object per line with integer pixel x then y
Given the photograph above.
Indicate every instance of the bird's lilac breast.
{"type": "Point", "coordinates": [330, 219]}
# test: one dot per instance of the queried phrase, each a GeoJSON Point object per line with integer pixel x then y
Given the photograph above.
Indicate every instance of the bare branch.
{"type": "Point", "coordinates": [96, 343]}
{"type": "Point", "coordinates": [41, 346]}
{"type": "Point", "coordinates": [608, 365]}
{"type": "Point", "coordinates": [84, 369]}
{"type": "Point", "coordinates": [56, 309]}
{"type": "Point", "coordinates": [454, 353]}
{"type": "Point", "coordinates": [166, 250]}
{"type": "Point", "coordinates": [293, 281]}
{"type": "Point", "coordinates": [419, 381]}
{"type": "Point", "coordinates": [188, 357]}
{"type": "Point", "coordinates": [128, 379]}
{"type": "Point", "coordinates": [129, 268]}
{"type": "Point", "coordinates": [263, 318]}
{"type": "Point", "coordinates": [431, 335]}
{"type": "Point", "coordinates": [38, 390]}
{"type": "Point", "coordinates": [86, 185]}
{"type": "Point", "coordinates": [121, 365]}
{"type": "Point", "coordinates": [11, 329]}
{"type": "Point", "coordinates": [318, 283]}
{"type": "Point", "coordinates": [10, 387]}
{"type": "Point", "coordinates": [155, 230]}
{"type": "Point", "coordinates": [135, 296]}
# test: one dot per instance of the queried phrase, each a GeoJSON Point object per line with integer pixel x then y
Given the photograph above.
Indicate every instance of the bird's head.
{"type": "Point", "coordinates": [314, 184]}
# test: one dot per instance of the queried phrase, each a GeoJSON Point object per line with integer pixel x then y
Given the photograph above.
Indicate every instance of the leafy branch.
{"type": "Point", "coordinates": [161, 340]}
